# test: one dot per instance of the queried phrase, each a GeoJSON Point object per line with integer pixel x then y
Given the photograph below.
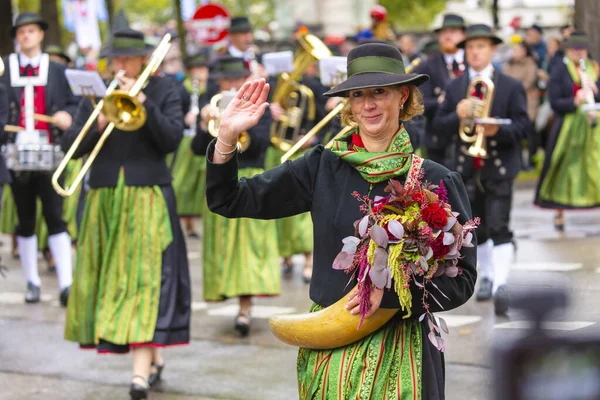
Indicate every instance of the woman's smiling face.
{"type": "Point", "coordinates": [377, 110]}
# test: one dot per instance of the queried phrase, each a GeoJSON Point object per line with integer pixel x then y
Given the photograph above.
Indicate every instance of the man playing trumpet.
{"type": "Point", "coordinates": [489, 181]}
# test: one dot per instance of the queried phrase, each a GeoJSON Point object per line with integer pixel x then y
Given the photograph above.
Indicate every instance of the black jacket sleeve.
{"type": "Point", "coordinates": [3, 113]}
{"type": "Point", "coordinates": [72, 101]}
{"type": "Point", "coordinates": [200, 142]}
{"type": "Point", "coordinates": [446, 119]}
{"type": "Point", "coordinates": [164, 121]}
{"type": "Point", "coordinates": [84, 110]}
{"type": "Point", "coordinates": [517, 112]}
{"type": "Point", "coordinates": [459, 289]}
{"type": "Point", "coordinates": [430, 100]}
{"type": "Point", "coordinates": [282, 191]}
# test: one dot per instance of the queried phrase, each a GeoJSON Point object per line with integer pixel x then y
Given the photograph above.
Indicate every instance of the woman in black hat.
{"type": "Point", "coordinates": [239, 257]}
{"type": "Point", "coordinates": [571, 173]}
{"type": "Point", "coordinates": [397, 361]}
{"type": "Point", "coordinates": [132, 288]}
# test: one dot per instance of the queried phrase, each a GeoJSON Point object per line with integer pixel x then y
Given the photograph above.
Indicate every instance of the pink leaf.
{"type": "Point", "coordinates": [363, 225]}
{"type": "Point", "coordinates": [440, 270]}
{"type": "Point", "coordinates": [419, 284]}
{"type": "Point", "coordinates": [379, 236]}
{"type": "Point", "coordinates": [467, 240]}
{"type": "Point", "coordinates": [380, 259]}
{"type": "Point", "coordinates": [436, 300]}
{"type": "Point", "coordinates": [343, 260]}
{"type": "Point", "coordinates": [448, 239]}
{"type": "Point", "coordinates": [433, 339]}
{"type": "Point", "coordinates": [422, 317]}
{"type": "Point", "coordinates": [449, 224]}
{"type": "Point", "coordinates": [429, 253]}
{"type": "Point", "coordinates": [442, 343]}
{"type": "Point", "coordinates": [451, 272]}
{"type": "Point", "coordinates": [379, 277]}
{"type": "Point", "coordinates": [350, 244]}
{"type": "Point", "coordinates": [423, 264]}
{"type": "Point", "coordinates": [396, 229]}
{"type": "Point", "coordinates": [443, 325]}
{"type": "Point", "coordinates": [439, 290]}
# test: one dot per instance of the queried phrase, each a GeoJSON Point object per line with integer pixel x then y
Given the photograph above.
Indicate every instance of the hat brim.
{"type": "Point", "coordinates": [375, 79]}
{"type": "Point", "coordinates": [495, 39]}
{"type": "Point", "coordinates": [241, 29]}
{"type": "Point", "coordinates": [230, 74]}
{"type": "Point", "coordinates": [43, 24]}
{"type": "Point", "coordinates": [61, 55]}
{"type": "Point", "coordinates": [112, 52]}
{"type": "Point", "coordinates": [459, 26]}
{"type": "Point", "coordinates": [575, 45]}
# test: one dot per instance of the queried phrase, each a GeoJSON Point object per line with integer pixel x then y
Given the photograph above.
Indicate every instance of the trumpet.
{"type": "Point", "coordinates": [220, 101]}
{"type": "Point", "coordinates": [123, 111]}
{"type": "Point", "coordinates": [469, 131]}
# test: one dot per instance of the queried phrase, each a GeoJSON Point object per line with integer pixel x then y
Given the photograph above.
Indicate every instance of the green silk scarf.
{"type": "Point", "coordinates": [378, 166]}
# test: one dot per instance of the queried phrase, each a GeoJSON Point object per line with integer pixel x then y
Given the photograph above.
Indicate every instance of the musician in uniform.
{"type": "Point", "coordinates": [187, 168]}
{"type": "Point", "coordinates": [54, 99]}
{"type": "Point", "coordinates": [241, 41]}
{"type": "Point", "coordinates": [239, 256]}
{"type": "Point", "coordinates": [489, 181]}
{"type": "Point", "coordinates": [442, 66]}
{"type": "Point", "coordinates": [131, 289]}
{"type": "Point", "coordinates": [57, 54]}
{"type": "Point", "coordinates": [571, 170]}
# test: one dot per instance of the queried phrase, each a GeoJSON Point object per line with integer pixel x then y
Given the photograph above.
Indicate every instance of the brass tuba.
{"type": "Point", "coordinates": [220, 101]}
{"type": "Point", "coordinates": [470, 131]}
{"type": "Point", "coordinates": [123, 111]}
{"type": "Point", "coordinates": [296, 99]}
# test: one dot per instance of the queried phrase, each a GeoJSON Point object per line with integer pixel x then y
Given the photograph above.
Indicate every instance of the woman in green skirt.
{"type": "Point", "coordinates": [132, 287]}
{"type": "Point", "coordinates": [570, 177]}
{"type": "Point", "coordinates": [397, 361]}
{"type": "Point", "coordinates": [188, 169]}
{"type": "Point", "coordinates": [240, 257]}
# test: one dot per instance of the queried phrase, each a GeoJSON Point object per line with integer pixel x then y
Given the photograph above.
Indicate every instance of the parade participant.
{"type": "Point", "coordinates": [4, 113]}
{"type": "Point", "coordinates": [239, 257]}
{"type": "Point", "coordinates": [379, 24]}
{"type": "Point", "coordinates": [571, 171]}
{"type": "Point", "coordinates": [241, 42]}
{"type": "Point", "coordinates": [441, 66]}
{"type": "Point", "coordinates": [187, 168]}
{"type": "Point", "coordinates": [534, 37]}
{"type": "Point", "coordinates": [490, 181]}
{"type": "Point", "coordinates": [57, 54]}
{"type": "Point", "coordinates": [131, 289]}
{"type": "Point", "coordinates": [407, 43]}
{"type": "Point", "coordinates": [381, 96]}
{"type": "Point", "coordinates": [54, 99]}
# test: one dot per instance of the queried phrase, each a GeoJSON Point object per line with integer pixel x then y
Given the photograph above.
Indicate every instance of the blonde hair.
{"type": "Point", "coordinates": [413, 106]}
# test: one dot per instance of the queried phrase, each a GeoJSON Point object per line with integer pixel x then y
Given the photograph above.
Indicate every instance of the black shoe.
{"type": "Point", "coordinates": [501, 301]}
{"type": "Point", "coordinates": [242, 326]}
{"type": "Point", "coordinates": [559, 223]}
{"type": "Point", "coordinates": [33, 293]}
{"type": "Point", "coordinates": [138, 392]}
{"type": "Point", "coordinates": [485, 290]}
{"type": "Point", "coordinates": [64, 296]}
{"type": "Point", "coordinates": [193, 235]}
{"type": "Point", "coordinates": [288, 269]}
{"type": "Point", "coordinates": [155, 376]}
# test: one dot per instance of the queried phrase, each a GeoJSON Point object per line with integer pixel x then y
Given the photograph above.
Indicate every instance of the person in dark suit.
{"type": "Point", "coordinates": [132, 287]}
{"type": "Point", "coordinates": [381, 96]}
{"type": "Point", "coordinates": [489, 181]}
{"type": "Point", "coordinates": [56, 100]}
{"type": "Point", "coordinates": [4, 111]}
{"type": "Point", "coordinates": [442, 66]}
{"type": "Point", "coordinates": [240, 258]}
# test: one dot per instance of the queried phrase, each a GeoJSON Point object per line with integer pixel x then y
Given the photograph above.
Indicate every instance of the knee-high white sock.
{"type": "Point", "coordinates": [60, 247]}
{"type": "Point", "coordinates": [28, 252]}
{"type": "Point", "coordinates": [503, 260]}
{"type": "Point", "coordinates": [485, 260]}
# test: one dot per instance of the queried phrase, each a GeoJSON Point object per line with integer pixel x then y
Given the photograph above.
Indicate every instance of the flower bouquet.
{"type": "Point", "coordinates": [410, 236]}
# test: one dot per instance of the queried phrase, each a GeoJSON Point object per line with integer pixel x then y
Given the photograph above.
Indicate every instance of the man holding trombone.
{"type": "Point", "coordinates": [132, 289]}
{"type": "Point", "coordinates": [55, 99]}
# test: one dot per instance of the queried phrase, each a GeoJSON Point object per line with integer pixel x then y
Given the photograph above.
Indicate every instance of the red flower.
{"type": "Point", "coordinates": [439, 250]}
{"type": "Point", "coordinates": [418, 197]}
{"type": "Point", "coordinates": [435, 216]}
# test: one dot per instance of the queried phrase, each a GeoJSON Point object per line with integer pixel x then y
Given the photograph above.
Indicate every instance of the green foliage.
{"type": "Point", "coordinates": [260, 12]}
{"type": "Point", "coordinates": [412, 14]}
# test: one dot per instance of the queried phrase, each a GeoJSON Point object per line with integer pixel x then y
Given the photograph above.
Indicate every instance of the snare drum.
{"type": "Point", "coordinates": [32, 157]}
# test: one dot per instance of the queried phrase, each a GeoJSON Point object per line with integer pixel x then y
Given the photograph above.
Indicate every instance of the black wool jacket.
{"type": "Point", "coordinates": [140, 153]}
{"type": "Point", "coordinates": [4, 175]}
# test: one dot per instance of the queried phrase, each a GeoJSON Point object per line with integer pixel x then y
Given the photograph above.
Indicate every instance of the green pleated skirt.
{"type": "Point", "coordinates": [9, 218]}
{"type": "Point", "coordinates": [294, 234]}
{"type": "Point", "coordinates": [189, 177]}
{"type": "Point", "coordinates": [240, 256]}
{"type": "Point", "coordinates": [117, 278]}
{"type": "Point", "coordinates": [385, 365]}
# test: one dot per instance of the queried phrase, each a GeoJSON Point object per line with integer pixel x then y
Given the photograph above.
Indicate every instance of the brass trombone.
{"type": "Point", "coordinates": [123, 111]}
{"type": "Point", "coordinates": [220, 101]}
{"type": "Point", "coordinates": [469, 131]}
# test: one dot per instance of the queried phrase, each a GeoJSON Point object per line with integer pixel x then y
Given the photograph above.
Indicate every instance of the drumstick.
{"type": "Point", "coordinates": [44, 118]}
{"type": "Point", "coordinates": [13, 128]}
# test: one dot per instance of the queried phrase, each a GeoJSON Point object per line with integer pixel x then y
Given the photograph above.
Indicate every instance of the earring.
{"type": "Point", "coordinates": [402, 106]}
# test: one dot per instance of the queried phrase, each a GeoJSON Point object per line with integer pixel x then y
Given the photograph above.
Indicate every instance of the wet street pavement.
{"type": "Point", "coordinates": [36, 363]}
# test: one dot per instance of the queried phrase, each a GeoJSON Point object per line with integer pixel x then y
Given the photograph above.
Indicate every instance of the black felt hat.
{"type": "Point", "coordinates": [240, 25]}
{"type": "Point", "coordinates": [577, 40]}
{"type": "Point", "coordinates": [127, 42]}
{"type": "Point", "coordinates": [200, 59]}
{"type": "Point", "coordinates": [229, 67]}
{"type": "Point", "coordinates": [375, 65]}
{"type": "Point", "coordinates": [27, 18]}
{"type": "Point", "coordinates": [54, 49]}
{"type": "Point", "coordinates": [479, 31]}
{"type": "Point", "coordinates": [452, 21]}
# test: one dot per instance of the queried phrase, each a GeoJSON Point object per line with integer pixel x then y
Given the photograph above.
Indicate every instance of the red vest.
{"type": "Point", "coordinates": [39, 103]}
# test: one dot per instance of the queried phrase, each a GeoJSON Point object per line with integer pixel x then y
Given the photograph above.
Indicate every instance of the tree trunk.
{"type": "Point", "coordinates": [495, 10]}
{"type": "Point", "coordinates": [49, 12]}
{"type": "Point", "coordinates": [110, 9]}
{"type": "Point", "coordinates": [587, 18]}
{"type": "Point", "coordinates": [6, 41]}
{"type": "Point", "coordinates": [180, 29]}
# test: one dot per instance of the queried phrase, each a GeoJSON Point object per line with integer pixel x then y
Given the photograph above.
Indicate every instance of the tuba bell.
{"type": "Point", "coordinates": [220, 101]}
{"type": "Point", "coordinates": [481, 106]}
{"type": "Point", "coordinates": [296, 99]}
